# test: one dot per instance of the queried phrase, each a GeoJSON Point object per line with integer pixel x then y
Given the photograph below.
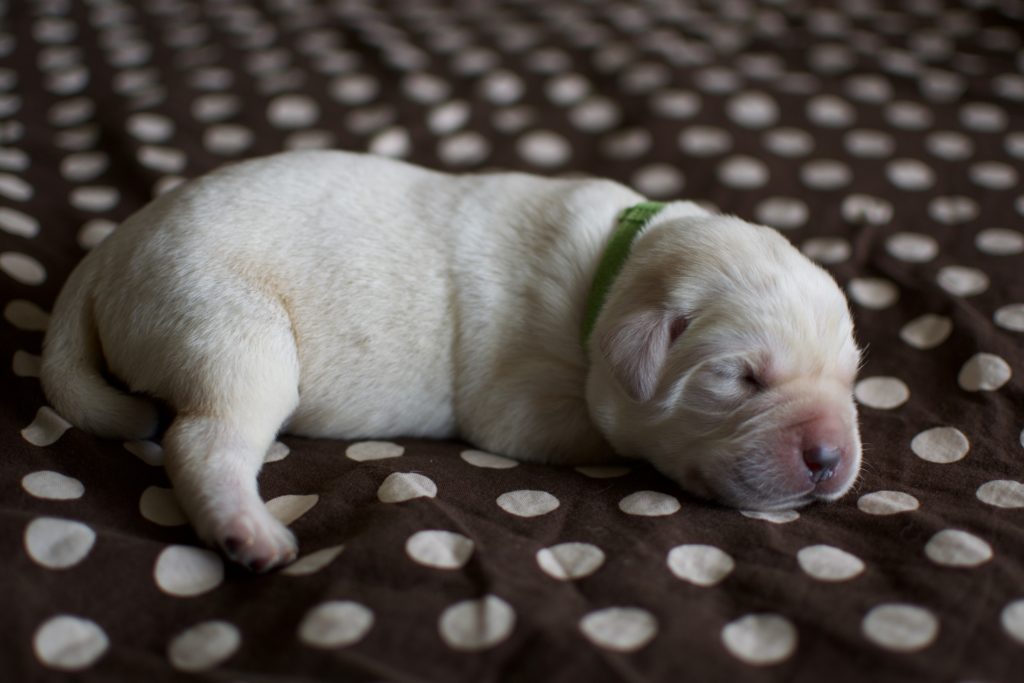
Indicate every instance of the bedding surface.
{"type": "Point", "coordinates": [885, 139]}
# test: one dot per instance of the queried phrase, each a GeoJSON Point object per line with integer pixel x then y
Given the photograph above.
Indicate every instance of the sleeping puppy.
{"type": "Point", "coordinates": [329, 294]}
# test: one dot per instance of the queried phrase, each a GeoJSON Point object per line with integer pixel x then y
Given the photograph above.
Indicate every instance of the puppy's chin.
{"type": "Point", "coordinates": [745, 482]}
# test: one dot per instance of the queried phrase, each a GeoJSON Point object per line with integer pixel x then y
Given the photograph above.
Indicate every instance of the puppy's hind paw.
{"type": "Point", "coordinates": [257, 542]}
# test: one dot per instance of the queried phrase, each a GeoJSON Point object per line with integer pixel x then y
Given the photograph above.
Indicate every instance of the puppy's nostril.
{"type": "Point", "coordinates": [821, 461]}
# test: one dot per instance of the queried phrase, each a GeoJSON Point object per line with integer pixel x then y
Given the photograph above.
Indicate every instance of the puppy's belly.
{"type": "Point", "coordinates": [336, 402]}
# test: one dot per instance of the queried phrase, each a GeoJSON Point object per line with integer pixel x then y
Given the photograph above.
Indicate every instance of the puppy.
{"type": "Point", "coordinates": [329, 294]}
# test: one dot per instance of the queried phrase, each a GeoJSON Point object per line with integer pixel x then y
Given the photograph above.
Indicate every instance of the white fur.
{"type": "Point", "coordinates": [330, 294]}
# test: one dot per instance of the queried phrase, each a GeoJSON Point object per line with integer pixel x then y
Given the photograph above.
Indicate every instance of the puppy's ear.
{"type": "Point", "coordinates": [636, 349]}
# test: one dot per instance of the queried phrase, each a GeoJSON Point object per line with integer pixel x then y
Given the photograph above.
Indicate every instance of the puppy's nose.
{"type": "Point", "coordinates": [822, 461]}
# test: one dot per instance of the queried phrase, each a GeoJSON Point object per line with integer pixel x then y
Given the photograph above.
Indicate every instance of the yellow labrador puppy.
{"type": "Point", "coordinates": [330, 294]}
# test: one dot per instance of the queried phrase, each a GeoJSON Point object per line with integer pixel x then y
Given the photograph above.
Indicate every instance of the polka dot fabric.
{"type": "Point", "coordinates": [883, 138]}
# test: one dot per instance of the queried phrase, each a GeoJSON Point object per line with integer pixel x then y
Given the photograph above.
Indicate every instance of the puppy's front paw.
{"type": "Point", "coordinates": [257, 541]}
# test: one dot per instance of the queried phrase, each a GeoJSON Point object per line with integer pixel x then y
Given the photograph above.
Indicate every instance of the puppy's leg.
{"type": "Point", "coordinates": [243, 385]}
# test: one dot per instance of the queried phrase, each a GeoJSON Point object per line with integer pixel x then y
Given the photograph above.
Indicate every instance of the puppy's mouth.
{"type": "Point", "coordinates": [756, 483]}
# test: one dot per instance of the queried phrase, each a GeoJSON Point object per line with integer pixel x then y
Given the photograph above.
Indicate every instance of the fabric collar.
{"type": "Point", "coordinates": [631, 222]}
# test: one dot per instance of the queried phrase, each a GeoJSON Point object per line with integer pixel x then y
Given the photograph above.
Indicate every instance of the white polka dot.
{"type": "Point", "coordinates": [1000, 242]}
{"type": "Point", "coordinates": [289, 508]}
{"type": "Point", "coordinates": [1015, 144]}
{"type": "Point", "coordinates": [872, 88]}
{"type": "Point", "coordinates": [58, 543]}
{"type": "Point", "coordinates": [94, 198]}
{"type": "Point", "coordinates": [1010, 317]}
{"type": "Point", "coordinates": [826, 250]}
{"type": "Point", "coordinates": [675, 104]}
{"type": "Point", "coordinates": [502, 87]}
{"type": "Point", "coordinates": [149, 127]}
{"type": "Point", "coordinates": [883, 393]}
{"type": "Point", "coordinates": [649, 504]}
{"type": "Point", "coordinates": [22, 268]}
{"type": "Point", "coordinates": [827, 563]}
{"type": "Point", "coordinates": [26, 364]}
{"type": "Point", "coordinates": [52, 485]}
{"type": "Point", "coordinates": [292, 111]}
{"type": "Point", "coordinates": [95, 231]}
{"type": "Point", "coordinates": [463, 149]}
{"type": "Point", "coordinates": [863, 209]}
{"type": "Point", "coordinates": [703, 565]}
{"type": "Point", "coordinates": [391, 142]}
{"type": "Point", "coordinates": [910, 174]}
{"type": "Point", "coordinates": [603, 471]}
{"type": "Point", "coordinates": [566, 89]}
{"type": "Point", "coordinates": [760, 639]}
{"type": "Point", "coordinates": [215, 107]}
{"type": "Point", "coordinates": [873, 292]}
{"type": "Point", "coordinates": [658, 180]}
{"type": "Point", "coordinates": [993, 175]}
{"type": "Point", "coordinates": [402, 486]}
{"type": "Point", "coordinates": [908, 115]}
{"type": "Point", "coordinates": [926, 331]}
{"type": "Point", "coordinates": [1002, 493]}
{"type": "Point", "coordinates": [185, 571]}
{"type": "Point", "coordinates": [160, 506]}
{"type": "Point", "coordinates": [17, 223]}
{"type": "Point", "coordinates": [941, 86]}
{"type": "Point", "coordinates": [829, 111]}
{"type": "Point", "coordinates": [869, 144]}
{"type": "Point", "coordinates": [487, 460]}
{"type": "Point", "coordinates": [527, 503]}
{"type": "Point", "coordinates": [227, 138]}
{"type": "Point", "coordinates": [752, 109]}
{"type": "Point", "coordinates": [477, 624]}
{"type": "Point", "coordinates": [513, 119]}
{"type": "Point", "coordinates": [783, 213]}
{"type": "Point", "coordinates": [899, 627]}
{"type": "Point", "coordinates": [69, 643]}
{"type": "Point", "coordinates": [277, 452]}
{"type": "Point", "coordinates": [620, 629]}
{"type": "Point", "coordinates": [983, 117]}
{"type": "Point", "coordinates": [984, 372]}
{"type": "Point", "coordinates": [72, 112]}
{"type": "Point", "coordinates": [630, 143]}
{"type": "Point", "coordinates": [425, 88]}
{"type": "Point", "coordinates": [955, 548]}
{"type": "Point", "coordinates": [567, 561]}
{"type": "Point", "coordinates": [373, 450]}
{"type": "Point", "coordinates": [25, 315]}
{"type": "Point", "coordinates": [166, 184]}
{"type": "Point", "coordinates": [789, 142]}
{"type": "Point", "coordinates": [337, 623]}
{"type": "Point", "coordinates": [912, 247]}
{"type": "Point", "coordinates": [84, 166]}
{"type": "Point", "coordinates": [354, 89]}
{"type": "Point", "coordinates": [962, 281]}
{"type": "Point", "coordinates": [743, 172]}
{"type": "Point", "coordinates": [949, 145]}
{"type": "Point", "coordinates": [203, 646]}
{"type": "Point", "coordinates": [148, 452]}
{"type": "Point", "coordinates": [313, 562]}
{"type": "Point", "coordinates": [887, 503]}
{"type": "Point", "coordinates": [439, 549]}
{"type": "Point", "coordinates": [1012, 619]}
{"type": "Point", "coordinates": [46, 429]}
{"type": "Point", "coordinates": [544, 148]}
{"type": "Point", "coordinates": [13, 159]}
{"type": "Point", "coordinates": [448, 117]}
{"type": "Point", "coordinates": [953, 210]}
{"type": "Point", "coordinates": [162, 159]}
{"type": "Point", "coordinates": [703, 141]}
{"type": "Point", "coordinates": [773, 516]}
{"type": "Point", "coordinates": [941, 445]}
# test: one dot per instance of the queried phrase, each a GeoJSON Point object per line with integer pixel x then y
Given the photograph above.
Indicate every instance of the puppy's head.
{"type": "Point", "coordinates": [727, 359]}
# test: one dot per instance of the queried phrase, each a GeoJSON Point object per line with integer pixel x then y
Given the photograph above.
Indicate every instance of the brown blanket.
{"type": "Point", "coordinates": [884, 138]}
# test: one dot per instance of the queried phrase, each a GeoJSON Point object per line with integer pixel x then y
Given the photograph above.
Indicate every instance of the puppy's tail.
{"type": "Point", "coordinates": [71, 375]}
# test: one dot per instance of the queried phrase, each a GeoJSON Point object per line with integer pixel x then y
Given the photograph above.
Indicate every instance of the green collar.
{"type": "Point", "coordinates": [631, 222]}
